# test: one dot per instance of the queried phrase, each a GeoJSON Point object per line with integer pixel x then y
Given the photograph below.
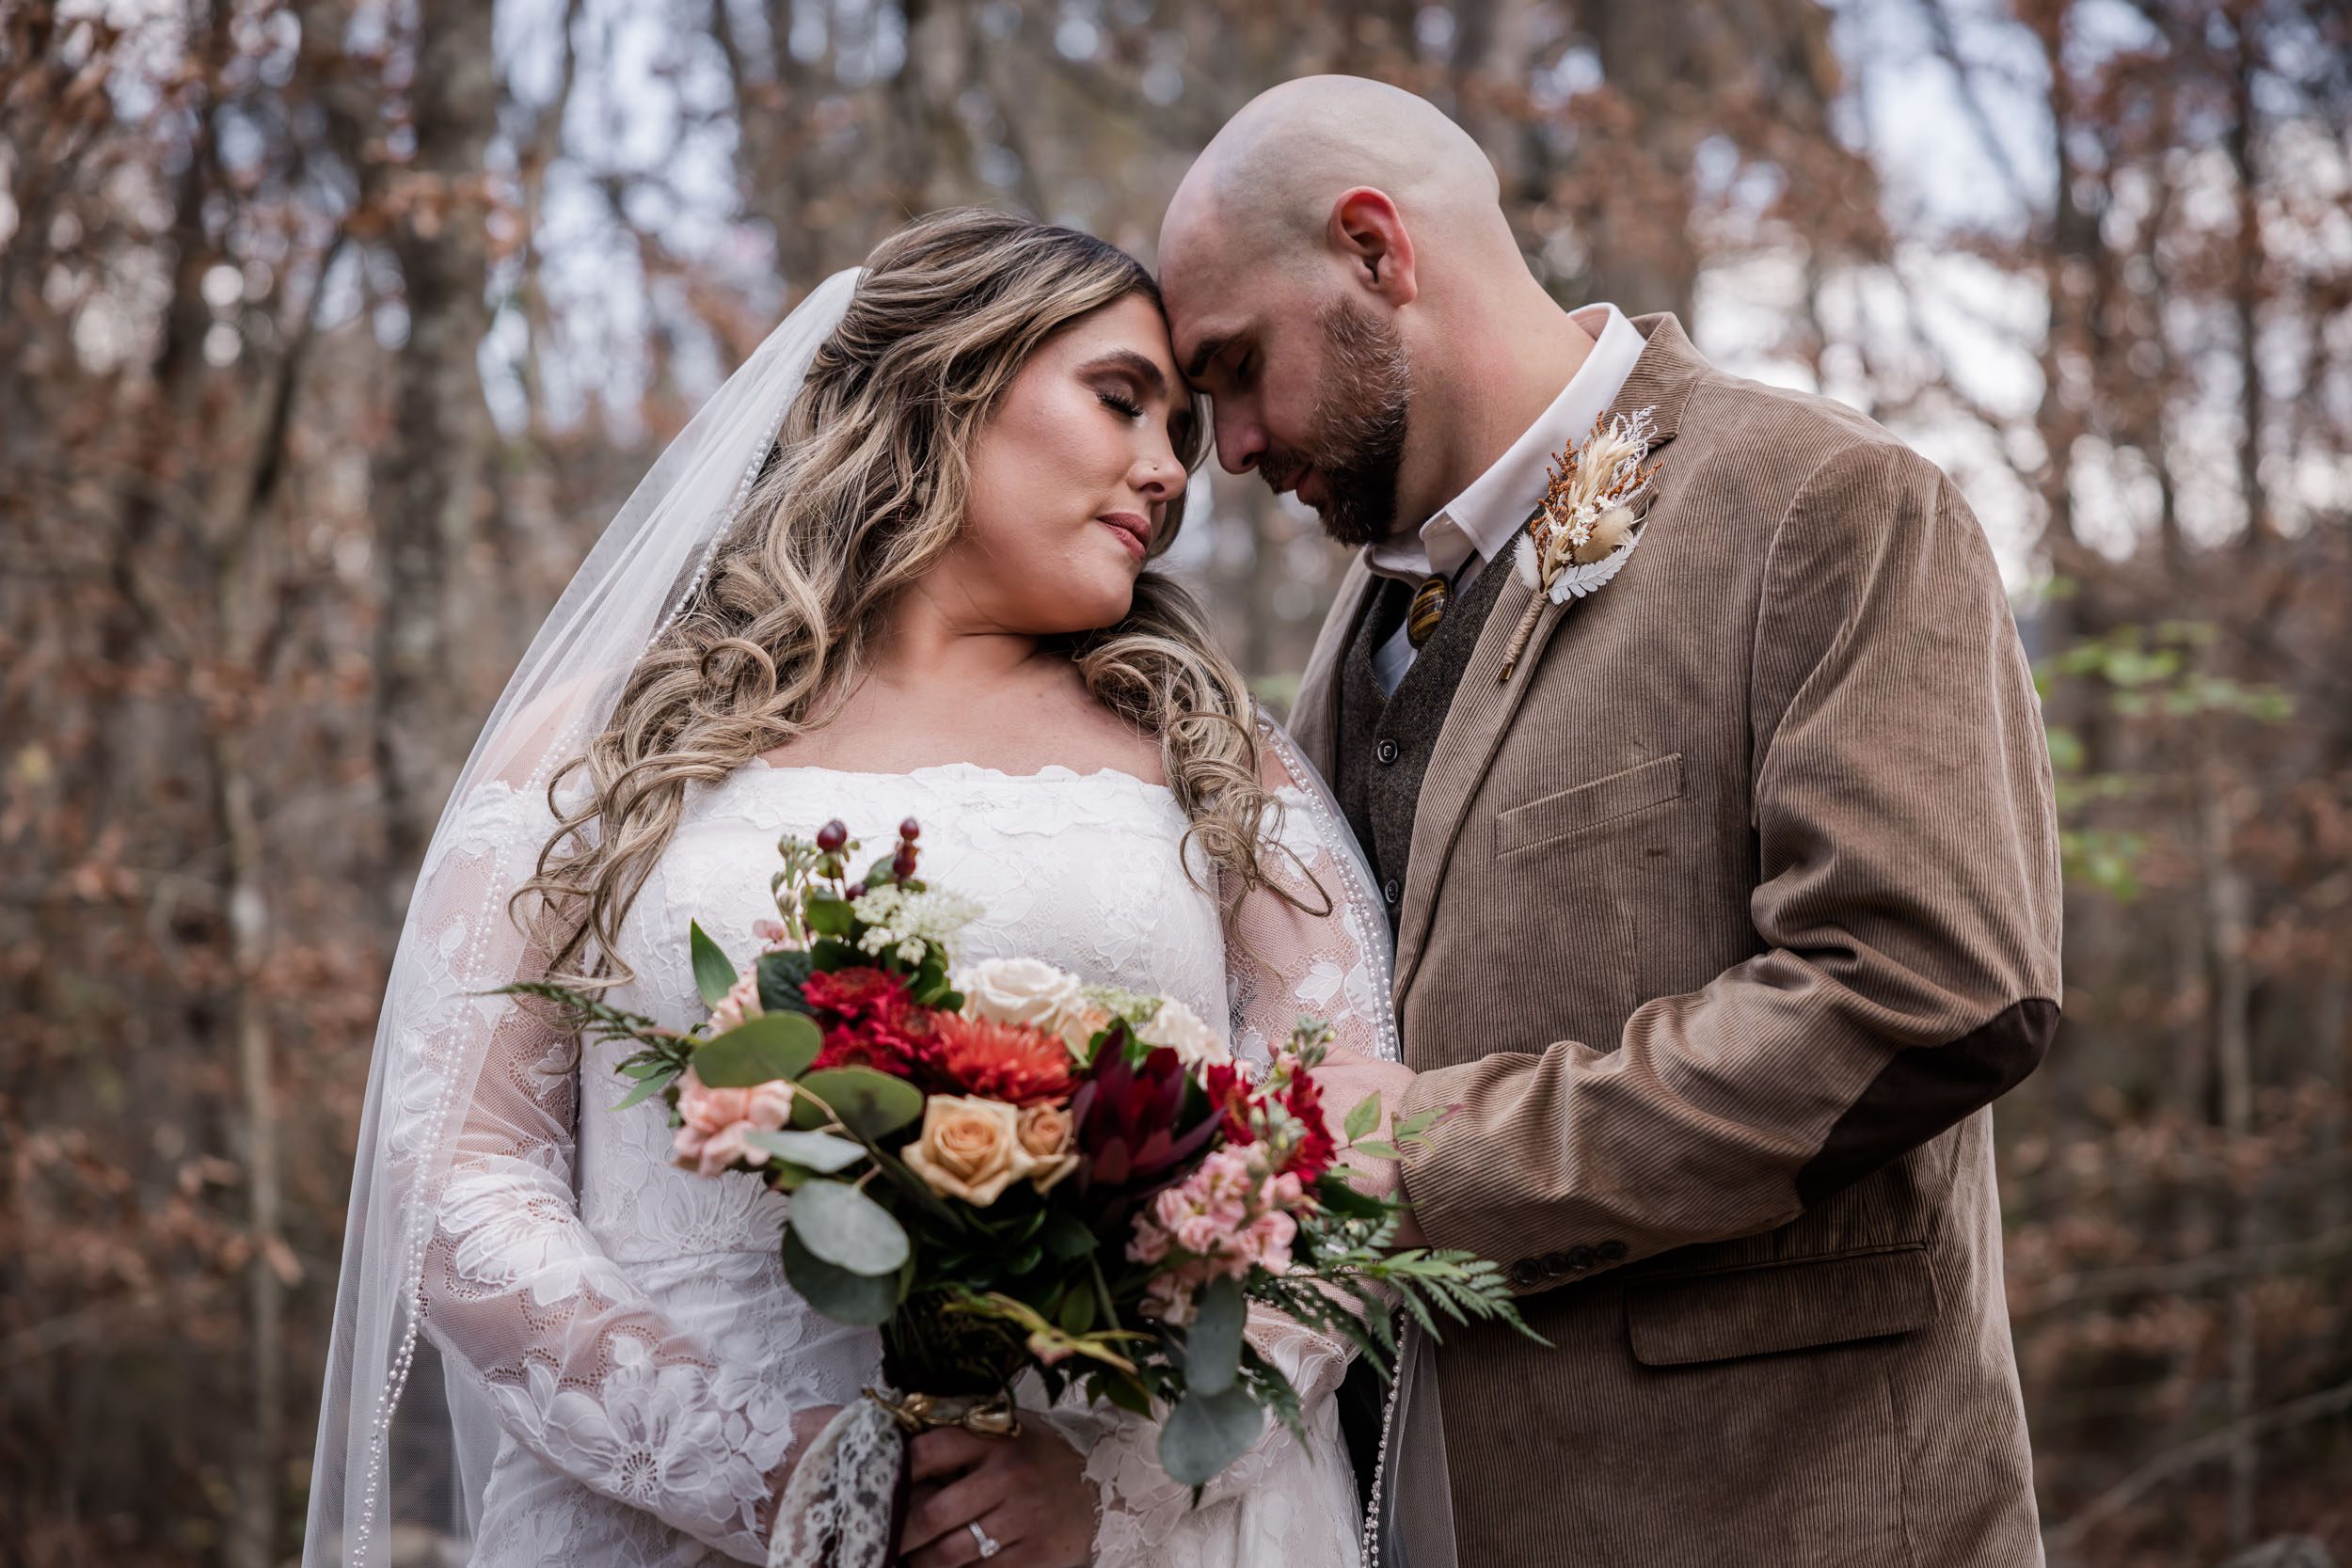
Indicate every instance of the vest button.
{"type": "Point", "coordinates": [1386, 751]}
{"type": "Point", "coordinates": [1389, 890]}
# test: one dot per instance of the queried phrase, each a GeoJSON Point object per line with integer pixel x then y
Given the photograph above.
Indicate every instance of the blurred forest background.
{"type": "Point", "coordinates": [331, 331]}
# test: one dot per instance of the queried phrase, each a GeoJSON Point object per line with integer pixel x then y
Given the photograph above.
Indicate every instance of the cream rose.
{"type": "Point", "coordinates": [1046, 1133]}
{"type": "Point", "coordinates": [1180, 1029]}
{"type": "Point", "coordinates": [1031, 991]}
{"type": "Point", "coordinates": [969, 1148]}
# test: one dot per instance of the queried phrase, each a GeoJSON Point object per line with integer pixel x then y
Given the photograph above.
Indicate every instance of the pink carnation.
{"type": "Point", "coordinates": [741, 1001]}
{"type": "Point", "coordinates": [710, 1140]}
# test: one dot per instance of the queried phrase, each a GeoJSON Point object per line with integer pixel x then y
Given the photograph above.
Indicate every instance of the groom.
{"type": "Point", "coordinates": [1724, 911]}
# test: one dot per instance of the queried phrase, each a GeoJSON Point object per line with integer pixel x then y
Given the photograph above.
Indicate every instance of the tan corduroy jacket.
{"type": "Point", "coordinates": [1723, 922]}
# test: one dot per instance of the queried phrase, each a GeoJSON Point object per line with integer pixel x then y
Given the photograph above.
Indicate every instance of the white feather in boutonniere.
{"type": "Point", "coordinates": [1589, 521]}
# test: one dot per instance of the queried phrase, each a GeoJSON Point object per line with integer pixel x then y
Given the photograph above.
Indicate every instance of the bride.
{"type": "Point", "coordinates": [900, 567]}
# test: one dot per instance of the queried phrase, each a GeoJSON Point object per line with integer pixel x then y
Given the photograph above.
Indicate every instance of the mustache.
{"type": "Point", "coordinates": [1280, 469]}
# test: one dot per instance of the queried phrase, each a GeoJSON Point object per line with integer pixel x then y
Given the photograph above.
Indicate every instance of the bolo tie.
{"type": "Point", "coordinates": [1429, 601]}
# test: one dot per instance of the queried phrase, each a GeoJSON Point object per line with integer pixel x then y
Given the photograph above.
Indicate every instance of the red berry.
{"type": "Point", "coordinates": [854, 891]}
{"type": "Point", "coordinates": [832, 835]}
{"type": "Point", "coordinates": [910, 829]}
{"type": "Point", "coordinates": [903, 865]}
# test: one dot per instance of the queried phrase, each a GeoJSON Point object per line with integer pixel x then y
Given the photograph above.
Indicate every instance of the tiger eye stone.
{"type": "Point", "coordinates": [1428, 609]}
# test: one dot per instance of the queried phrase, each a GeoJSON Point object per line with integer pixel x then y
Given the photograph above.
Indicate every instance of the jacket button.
{"type": "Point", "coordinates": [1554, 1262]}
{"type": "Point", "coordinates": [1609, 1252]}
{"type": "Point", "coordinates": [1386, 751]}
{"type": "Point", "coordinates": [1580, 1259]}
{"type": "Point", "coordinates": [1389, 890]}
{"type": "Point", "coordinates": [1527, 1272]}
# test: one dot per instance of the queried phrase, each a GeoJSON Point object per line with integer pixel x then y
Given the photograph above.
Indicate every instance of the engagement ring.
{"type": "Point", "coordinates": [989, 1546]}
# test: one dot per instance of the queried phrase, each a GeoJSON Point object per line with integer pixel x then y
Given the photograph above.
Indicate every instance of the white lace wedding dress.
{"type": "Point", "coordinates": [629, 1323]}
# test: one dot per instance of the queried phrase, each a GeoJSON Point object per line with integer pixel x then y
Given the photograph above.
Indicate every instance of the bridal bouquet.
{"type": "Point", "coordinates": [1004, 1168]}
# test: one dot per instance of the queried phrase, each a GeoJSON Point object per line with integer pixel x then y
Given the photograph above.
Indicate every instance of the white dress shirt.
{"type": "Point", "coordinates": [1471, 529]}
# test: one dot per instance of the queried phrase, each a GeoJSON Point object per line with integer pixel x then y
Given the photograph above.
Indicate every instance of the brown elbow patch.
{"type": "Point", "coordinates": [1926, 1089]}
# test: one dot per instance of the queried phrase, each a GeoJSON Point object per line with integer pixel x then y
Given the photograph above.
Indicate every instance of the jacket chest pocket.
{"type": "Point", "coordinates": [1573, 812]}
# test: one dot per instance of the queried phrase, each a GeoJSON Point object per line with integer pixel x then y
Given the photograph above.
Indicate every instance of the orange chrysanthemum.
{"type": "Point", "coordinates": [1011, 1062]}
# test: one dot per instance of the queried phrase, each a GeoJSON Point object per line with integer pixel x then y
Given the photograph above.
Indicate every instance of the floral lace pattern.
{"type": "Point", "coordinates": [627, 1324]}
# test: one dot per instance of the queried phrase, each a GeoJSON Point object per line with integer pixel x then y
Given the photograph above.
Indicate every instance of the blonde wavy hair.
{"type": "Point", "coordinates": [863, 493]}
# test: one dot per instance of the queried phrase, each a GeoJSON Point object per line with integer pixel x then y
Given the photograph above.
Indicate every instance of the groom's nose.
{"type": "Point", "coordinates": [1240, 442]}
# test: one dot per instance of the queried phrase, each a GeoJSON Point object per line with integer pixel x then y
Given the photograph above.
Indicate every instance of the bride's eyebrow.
{"type": "Point", "coordinates": [1137, 365]}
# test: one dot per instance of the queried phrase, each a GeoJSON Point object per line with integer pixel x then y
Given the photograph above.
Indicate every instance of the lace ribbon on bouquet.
{"type": "Point", "coordinates": [838, 1511]}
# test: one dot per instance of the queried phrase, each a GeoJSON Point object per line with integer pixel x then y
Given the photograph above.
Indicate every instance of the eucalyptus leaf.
{"type": "Point", "coordinates": [1213, 1344]}
{"type": "Point", "coordinates": [758, 1051]}
{"type": "Point", "coordinates": [713, 975]}
{"type": "Point", "coordinates": [818, 1151]}
{"type": "Point", "coordinates": [848, 1229]}
{"type": "Point", "coordinates": [1207, 1432]}
{"type": "Point", "coordinates": [869, 1103]}
{"type": "Point", "coordinates": [859, 1300]}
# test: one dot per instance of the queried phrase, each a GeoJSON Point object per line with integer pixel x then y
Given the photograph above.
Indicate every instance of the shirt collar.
{"type": "Point", "coordinates": [1486, 515]}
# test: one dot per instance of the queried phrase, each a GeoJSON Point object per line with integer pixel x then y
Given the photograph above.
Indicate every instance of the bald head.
{"type": "Point", "coordinates": [1263, 188]}
{"type": "Point", "coordinates": [1341, 280]}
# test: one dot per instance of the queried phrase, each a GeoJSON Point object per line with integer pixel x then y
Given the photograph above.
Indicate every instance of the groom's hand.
{"type": "Point", "coordinates": [1345, 1079]}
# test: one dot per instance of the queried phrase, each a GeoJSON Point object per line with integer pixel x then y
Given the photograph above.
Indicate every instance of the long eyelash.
{"type": "Point", "coordinates": [1112, 400]}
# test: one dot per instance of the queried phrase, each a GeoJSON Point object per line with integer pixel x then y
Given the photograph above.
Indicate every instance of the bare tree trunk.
{"type": "Point", "coordinates": [431, 478]}
{"type": "Point", "coordinates": [2227, 925]}
{"type": "Point", "coordinates": [253, 1539]}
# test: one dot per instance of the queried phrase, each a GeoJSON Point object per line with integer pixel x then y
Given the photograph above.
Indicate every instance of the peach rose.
{"type": "Point", "coordinates": [1046, 1133]}
{"type": "Point", "coordinates": [969, 1148]}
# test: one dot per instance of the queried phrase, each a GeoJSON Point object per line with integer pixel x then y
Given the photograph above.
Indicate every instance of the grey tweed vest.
{"type": "Point", "coordinates": [1382, 744]}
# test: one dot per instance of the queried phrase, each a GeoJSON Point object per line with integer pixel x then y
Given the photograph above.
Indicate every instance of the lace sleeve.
{"type": "Point", "coordinates": [1316, 940]}
{"type": "Point", "coordinates": [525, 1307]}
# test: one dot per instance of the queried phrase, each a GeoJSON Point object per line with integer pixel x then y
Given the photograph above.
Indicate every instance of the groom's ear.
{"type": "Point", "coordinates": [1367, 230]}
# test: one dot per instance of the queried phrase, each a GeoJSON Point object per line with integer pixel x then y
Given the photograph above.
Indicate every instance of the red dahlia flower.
{"type": "Point", "coordinates": [1011, 1062]}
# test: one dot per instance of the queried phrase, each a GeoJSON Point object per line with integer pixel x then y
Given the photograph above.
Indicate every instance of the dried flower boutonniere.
{"type": "Point", "coordinates": [1589, 521]}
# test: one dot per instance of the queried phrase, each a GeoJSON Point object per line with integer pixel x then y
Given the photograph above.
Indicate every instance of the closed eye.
{"type": "Point", "coordinates": [1125, 406]}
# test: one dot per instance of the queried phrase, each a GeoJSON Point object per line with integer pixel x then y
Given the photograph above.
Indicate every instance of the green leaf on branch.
{"type": "Point", "coordinates": [827, 912]}
{"type": "Point", "coordinates": [1365, 1118]}
{"type": "Point", "coordinates": [821, 1152]}
{"type": "Point", "coordinates": [1066, 1236]}
{"type": "Point", "coordinates": [848, 1229]}
{"type": "Point", "coordinates": [781, 975]}
{"type": "Point", "coordinates": [859, 1300]}
{"type": "Point", "coordinates": [713, 975]}
{"type": "Point", "coordinates": [869, 1103]}
{"type": "Point", "coordinates": [1207, 1432]}
{"type": "Point", "coordinates": [1378, 1148]}
{"type": "Point", "coordinates": [759, 1051]}
{"type": "Point", "coordinates": [647, 1088]}
{"type": "Point", "coordinates": [1213, 1344]}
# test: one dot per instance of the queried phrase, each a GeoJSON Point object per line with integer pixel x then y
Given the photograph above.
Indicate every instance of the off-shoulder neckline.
{"type": "Point", "coordinates": [1053, 772]}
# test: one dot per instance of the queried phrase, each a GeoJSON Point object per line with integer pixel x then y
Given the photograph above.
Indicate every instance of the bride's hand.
{"type": "Point", "coordinates": [1345, 1079]}
{"type": "Point", "coordinates": [1028, 1493]}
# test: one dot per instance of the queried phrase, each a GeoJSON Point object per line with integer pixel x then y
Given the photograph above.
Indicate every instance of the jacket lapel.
{"type": "Point", "coordinates": [1314, 712]}
{"type": "Point", "coordinates": [1663, 379]}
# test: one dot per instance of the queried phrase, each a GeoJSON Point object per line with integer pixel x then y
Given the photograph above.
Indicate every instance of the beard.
{"type": "Point", "coordinates": [1357, 426]}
